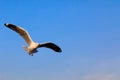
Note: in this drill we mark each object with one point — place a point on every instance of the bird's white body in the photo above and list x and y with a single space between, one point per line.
32 48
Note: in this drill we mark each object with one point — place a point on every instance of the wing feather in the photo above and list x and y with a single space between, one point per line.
22 32
51 46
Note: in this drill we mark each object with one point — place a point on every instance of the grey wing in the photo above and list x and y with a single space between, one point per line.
22 32
51 46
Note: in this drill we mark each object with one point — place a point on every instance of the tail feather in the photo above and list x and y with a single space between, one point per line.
51 46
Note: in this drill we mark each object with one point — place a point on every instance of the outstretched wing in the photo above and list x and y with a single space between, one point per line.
51 46
22 32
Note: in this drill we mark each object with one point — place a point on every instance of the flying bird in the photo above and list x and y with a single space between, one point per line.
32 46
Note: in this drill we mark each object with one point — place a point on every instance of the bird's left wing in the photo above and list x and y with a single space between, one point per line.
22 32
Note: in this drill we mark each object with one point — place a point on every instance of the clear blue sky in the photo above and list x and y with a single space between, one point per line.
88 31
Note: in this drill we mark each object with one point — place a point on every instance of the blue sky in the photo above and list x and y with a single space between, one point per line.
88 32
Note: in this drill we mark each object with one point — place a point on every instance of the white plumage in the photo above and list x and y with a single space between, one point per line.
32 46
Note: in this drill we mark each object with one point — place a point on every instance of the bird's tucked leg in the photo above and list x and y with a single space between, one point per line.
31 54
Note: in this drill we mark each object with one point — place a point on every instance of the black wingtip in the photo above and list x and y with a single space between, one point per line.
59 50
10 25
6 24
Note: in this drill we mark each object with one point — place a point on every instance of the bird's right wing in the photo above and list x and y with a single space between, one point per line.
22 32
51 46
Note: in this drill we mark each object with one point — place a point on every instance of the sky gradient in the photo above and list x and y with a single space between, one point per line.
88 32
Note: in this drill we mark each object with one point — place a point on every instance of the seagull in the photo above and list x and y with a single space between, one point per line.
32 46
